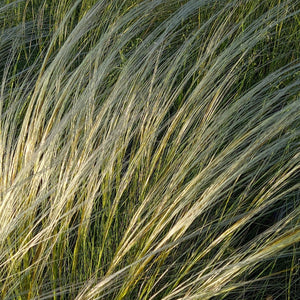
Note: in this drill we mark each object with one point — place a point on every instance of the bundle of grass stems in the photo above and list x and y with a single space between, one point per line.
149 149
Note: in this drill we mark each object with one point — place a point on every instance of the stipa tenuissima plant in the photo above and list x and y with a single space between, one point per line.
149 149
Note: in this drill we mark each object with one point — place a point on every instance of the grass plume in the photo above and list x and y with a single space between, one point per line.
149 149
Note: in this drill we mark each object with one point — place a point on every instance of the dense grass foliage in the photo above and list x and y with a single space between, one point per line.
149 149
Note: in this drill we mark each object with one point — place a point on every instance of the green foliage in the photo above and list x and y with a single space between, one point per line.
149 149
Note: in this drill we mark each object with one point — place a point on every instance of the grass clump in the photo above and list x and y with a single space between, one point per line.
149 149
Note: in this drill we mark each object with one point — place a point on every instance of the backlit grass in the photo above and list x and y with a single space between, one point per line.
149 149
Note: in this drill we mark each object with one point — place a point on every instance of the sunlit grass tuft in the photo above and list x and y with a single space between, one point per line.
149 149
